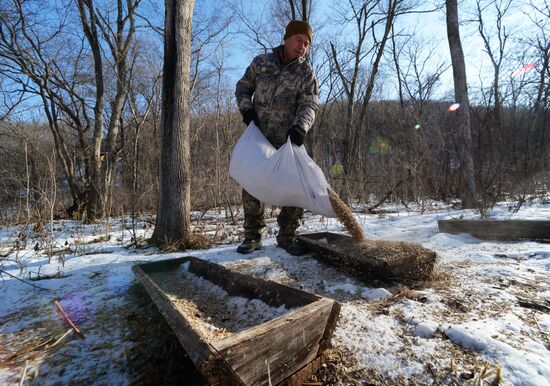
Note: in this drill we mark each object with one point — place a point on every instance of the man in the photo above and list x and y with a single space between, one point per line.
279 93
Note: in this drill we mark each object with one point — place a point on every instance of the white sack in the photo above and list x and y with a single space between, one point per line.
283 177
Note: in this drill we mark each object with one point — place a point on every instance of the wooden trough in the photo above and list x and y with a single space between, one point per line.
498 229
410 262
284 350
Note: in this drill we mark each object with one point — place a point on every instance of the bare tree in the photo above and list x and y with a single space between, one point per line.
540 44
36 56
174 209
496 55
349 64
463 141
420 75
304 11
257 26
119 39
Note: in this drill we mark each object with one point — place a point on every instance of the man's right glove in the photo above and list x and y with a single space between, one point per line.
296 134
249 116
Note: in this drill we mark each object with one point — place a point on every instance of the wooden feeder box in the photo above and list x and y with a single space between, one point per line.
498 229
412 264
285 350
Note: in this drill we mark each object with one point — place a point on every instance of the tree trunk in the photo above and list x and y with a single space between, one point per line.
106 151
464 137
173 214
89 25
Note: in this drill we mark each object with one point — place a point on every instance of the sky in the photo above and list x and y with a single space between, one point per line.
429 28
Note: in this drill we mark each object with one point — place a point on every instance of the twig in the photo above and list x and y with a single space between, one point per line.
61 338
432 371
350 378
26 282
24 373
64 315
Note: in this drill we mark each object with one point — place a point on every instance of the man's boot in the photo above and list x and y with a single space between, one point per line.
249 246
292 246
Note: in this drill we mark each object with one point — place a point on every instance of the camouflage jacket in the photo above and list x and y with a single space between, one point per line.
284 94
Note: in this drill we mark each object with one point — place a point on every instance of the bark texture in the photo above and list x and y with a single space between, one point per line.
173 215
463 138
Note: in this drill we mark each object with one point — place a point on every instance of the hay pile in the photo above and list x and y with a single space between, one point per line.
386 259
211 311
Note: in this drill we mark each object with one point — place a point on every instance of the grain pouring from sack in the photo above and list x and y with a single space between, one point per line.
345 215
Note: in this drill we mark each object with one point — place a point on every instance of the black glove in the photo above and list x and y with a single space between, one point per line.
296 134
249 116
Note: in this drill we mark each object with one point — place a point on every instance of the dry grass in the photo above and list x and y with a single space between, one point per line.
197 241
192 241
340 367
401 259
345 215
438 279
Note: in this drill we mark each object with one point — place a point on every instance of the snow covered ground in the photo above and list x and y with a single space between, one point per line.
473 321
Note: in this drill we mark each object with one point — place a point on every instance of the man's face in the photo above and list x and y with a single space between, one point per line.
296 45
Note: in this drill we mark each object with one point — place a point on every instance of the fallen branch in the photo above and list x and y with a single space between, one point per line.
62 251
24 281
69 321
526 303
4 254
58 275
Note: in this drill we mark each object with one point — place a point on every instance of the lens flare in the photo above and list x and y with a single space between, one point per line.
337 169
380 145
523 70
453 107
75 306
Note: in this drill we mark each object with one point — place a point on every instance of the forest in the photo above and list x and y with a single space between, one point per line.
118 124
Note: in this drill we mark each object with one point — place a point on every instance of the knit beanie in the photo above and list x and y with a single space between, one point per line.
298 27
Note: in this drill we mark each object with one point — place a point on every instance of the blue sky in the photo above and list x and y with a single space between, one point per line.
430 27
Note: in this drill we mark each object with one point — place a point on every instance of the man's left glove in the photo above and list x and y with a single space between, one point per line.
297 135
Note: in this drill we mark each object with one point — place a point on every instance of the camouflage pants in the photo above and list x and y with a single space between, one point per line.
288 219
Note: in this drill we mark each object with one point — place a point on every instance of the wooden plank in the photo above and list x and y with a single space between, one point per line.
498 229
275 350
204 356
326 340
304 373
238 284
